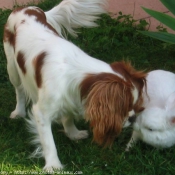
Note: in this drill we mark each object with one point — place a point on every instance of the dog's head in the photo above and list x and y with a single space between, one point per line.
111 99
155 125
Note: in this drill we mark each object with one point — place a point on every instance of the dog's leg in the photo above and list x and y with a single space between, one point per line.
71 131
20 105
16 82
43 117
133 140
20 95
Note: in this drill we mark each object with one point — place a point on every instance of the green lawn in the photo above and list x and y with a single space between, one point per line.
111 41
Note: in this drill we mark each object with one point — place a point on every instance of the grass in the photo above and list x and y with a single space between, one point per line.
111 41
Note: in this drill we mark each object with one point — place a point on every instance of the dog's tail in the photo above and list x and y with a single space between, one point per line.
72 14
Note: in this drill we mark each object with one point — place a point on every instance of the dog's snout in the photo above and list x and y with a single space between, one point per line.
132 119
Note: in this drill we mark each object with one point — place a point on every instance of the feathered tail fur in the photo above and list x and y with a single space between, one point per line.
72 14
35 140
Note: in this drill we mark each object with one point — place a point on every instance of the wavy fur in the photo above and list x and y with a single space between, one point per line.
155 125
35 140
137 77
106 108
73 14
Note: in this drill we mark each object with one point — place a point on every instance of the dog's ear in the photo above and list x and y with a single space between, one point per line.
138 78
170 106
106 108
170 102
130 73
172 120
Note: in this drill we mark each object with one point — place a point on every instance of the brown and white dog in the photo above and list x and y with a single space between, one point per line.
63 82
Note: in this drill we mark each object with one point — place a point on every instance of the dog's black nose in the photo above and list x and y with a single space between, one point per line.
132 119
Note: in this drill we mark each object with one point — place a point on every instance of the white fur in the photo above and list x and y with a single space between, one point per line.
53 100
156 124
132 112
64 68
72 14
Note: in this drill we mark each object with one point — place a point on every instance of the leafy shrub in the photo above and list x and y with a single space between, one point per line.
165 19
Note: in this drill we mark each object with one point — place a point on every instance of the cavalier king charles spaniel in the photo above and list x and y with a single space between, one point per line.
62 82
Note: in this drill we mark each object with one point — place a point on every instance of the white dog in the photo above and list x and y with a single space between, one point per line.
156 124
64 83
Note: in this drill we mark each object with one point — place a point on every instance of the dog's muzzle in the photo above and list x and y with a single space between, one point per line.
132 119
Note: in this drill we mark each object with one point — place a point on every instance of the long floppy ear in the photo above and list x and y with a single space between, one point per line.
107 105
130 73
138 78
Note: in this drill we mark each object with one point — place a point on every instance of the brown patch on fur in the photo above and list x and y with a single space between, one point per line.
138 78
21 62
38 64
108 100
9 36
40 17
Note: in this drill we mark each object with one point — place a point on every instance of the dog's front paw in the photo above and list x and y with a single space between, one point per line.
79 135
16 114
50 169
127 149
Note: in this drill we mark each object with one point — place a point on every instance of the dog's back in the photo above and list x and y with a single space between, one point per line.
31 35
27 37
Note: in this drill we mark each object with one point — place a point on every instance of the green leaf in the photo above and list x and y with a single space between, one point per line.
163 18
170 5
166 37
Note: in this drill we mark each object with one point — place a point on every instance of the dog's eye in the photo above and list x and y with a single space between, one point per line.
149 129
